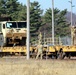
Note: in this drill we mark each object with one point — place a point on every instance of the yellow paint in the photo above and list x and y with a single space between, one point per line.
50 49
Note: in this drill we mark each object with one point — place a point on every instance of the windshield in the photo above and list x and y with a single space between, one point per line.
16 25
21 24
11 25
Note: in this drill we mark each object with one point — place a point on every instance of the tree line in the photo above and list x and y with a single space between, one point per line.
38 20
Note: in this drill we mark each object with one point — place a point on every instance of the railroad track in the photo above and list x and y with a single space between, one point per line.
24 58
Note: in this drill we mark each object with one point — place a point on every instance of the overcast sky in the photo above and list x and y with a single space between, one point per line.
60 4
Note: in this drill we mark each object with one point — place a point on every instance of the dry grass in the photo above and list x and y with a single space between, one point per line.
37 67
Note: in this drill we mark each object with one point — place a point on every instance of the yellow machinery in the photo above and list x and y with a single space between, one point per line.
13 37
60 51
17 50
14 32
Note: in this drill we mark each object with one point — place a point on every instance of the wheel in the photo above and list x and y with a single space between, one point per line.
61 54
69 55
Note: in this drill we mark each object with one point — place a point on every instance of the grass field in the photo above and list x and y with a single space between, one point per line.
37 67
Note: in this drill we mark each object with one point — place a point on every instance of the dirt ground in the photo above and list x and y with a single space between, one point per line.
21 66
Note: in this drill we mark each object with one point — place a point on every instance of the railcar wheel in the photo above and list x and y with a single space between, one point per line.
61 54
69 56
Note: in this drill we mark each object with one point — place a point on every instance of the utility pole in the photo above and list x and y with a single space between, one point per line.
71 22
53 22
28 29
71 11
